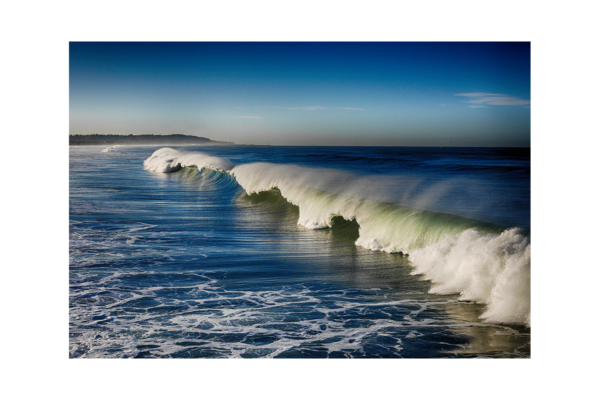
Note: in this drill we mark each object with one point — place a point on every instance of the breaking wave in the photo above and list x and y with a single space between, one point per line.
480 261
170 160
110 148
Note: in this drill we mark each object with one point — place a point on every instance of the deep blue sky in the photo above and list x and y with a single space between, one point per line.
440 94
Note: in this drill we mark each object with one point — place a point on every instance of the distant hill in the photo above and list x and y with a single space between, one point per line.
86 140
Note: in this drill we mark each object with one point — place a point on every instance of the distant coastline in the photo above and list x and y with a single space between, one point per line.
95 139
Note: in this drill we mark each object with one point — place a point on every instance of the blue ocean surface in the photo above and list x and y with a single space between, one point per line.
299 252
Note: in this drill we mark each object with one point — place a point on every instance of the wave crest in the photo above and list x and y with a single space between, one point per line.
170 160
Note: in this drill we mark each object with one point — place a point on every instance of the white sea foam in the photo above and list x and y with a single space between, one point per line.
168 160
214 316
490 269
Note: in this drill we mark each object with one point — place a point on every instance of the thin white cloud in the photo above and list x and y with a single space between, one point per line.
493 99
307 108
247 116
316 108
478 94
478 106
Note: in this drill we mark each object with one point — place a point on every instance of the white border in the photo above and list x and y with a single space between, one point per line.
35 204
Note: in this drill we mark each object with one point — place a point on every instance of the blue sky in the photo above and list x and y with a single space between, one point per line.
391 93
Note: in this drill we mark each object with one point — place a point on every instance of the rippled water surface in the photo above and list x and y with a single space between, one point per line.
188 265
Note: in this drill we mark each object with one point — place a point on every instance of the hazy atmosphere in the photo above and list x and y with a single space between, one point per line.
384 94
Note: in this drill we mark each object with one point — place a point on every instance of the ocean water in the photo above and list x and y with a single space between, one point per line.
299 252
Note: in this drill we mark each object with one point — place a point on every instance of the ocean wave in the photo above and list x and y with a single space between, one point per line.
323 194
480 261
170 160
